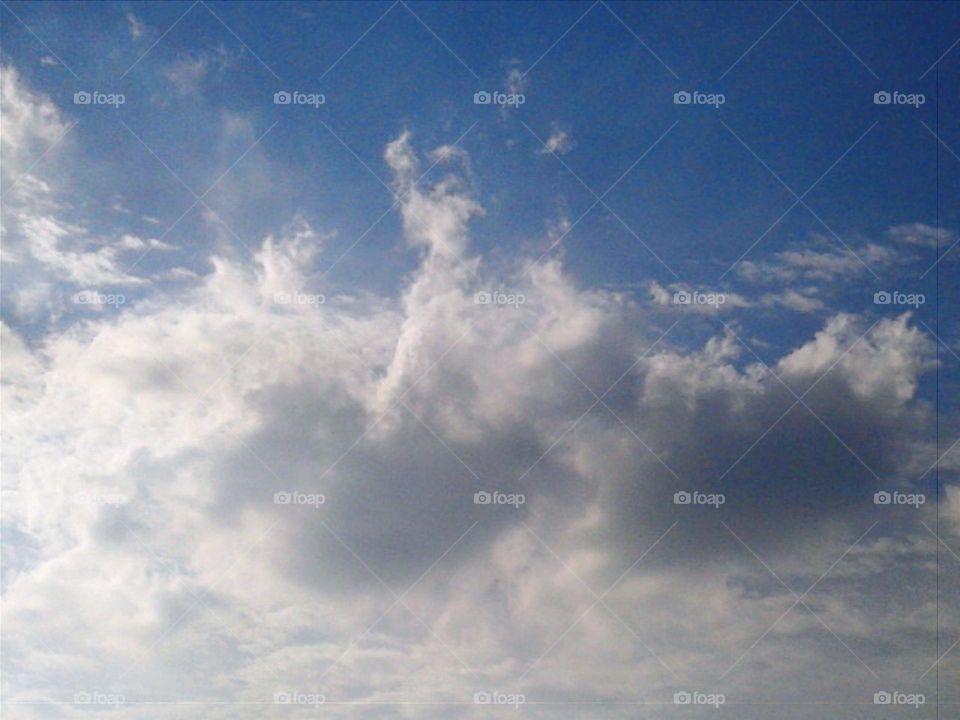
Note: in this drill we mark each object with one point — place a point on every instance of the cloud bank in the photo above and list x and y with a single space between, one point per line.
249 484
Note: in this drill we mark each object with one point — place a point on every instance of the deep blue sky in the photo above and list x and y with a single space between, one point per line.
800 97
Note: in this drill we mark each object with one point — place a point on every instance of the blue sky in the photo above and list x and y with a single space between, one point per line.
302 311
799 102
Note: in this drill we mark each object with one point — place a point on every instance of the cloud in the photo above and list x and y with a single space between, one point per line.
559 142
516 82
802 302
685 298
48 251
821 261
188 73
135 26
31 122
148 445
920 234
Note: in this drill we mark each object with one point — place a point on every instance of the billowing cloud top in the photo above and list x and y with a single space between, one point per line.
242 486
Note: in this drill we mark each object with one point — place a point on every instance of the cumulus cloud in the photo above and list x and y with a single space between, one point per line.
31 123
250 484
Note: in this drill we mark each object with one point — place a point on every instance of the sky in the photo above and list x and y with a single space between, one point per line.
478 360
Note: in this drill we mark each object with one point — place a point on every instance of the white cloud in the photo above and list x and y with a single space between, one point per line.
683 297
37 235
196 405
818 263
559 142
188 73
135 25
920 234
31 123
